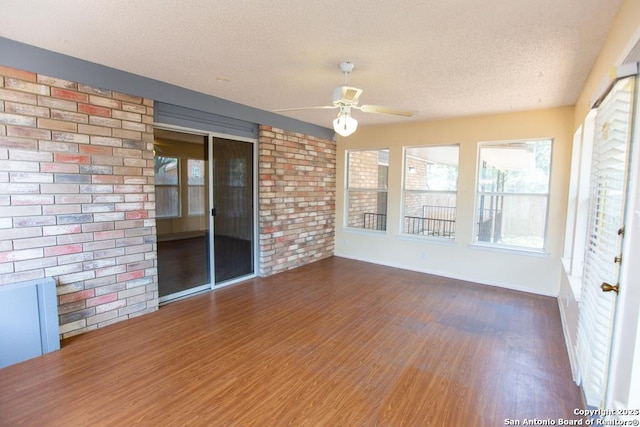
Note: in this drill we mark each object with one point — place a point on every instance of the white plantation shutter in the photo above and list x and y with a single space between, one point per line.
606 217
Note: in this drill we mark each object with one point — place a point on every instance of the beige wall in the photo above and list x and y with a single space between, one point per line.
461 259
624 33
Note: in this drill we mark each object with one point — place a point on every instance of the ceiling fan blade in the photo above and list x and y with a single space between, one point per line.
321 107
386 110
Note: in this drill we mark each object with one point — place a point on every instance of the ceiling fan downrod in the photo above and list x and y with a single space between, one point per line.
346 68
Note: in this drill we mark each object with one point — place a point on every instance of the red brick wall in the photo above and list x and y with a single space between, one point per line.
415 181
297 191
77 198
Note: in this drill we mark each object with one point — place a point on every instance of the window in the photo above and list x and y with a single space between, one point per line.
513 193
167 186
430 187
367 176
195 180
578 202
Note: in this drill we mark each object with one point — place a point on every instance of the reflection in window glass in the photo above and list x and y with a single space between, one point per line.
196 200
167 186
196 179
237 173
367 182
430 189
166 170
513 193
196 171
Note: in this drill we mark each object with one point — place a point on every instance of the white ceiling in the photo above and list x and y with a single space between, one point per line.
444 58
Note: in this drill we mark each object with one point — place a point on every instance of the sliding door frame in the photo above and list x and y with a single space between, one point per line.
254 214
210 136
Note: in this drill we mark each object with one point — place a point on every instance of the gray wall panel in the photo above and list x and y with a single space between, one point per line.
19 55
201 120
28 320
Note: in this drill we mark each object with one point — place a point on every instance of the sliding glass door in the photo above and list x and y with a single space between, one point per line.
233 209
205 215
182 214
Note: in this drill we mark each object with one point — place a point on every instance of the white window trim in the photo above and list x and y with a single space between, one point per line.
509 249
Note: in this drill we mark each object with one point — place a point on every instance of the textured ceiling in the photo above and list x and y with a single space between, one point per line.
444 58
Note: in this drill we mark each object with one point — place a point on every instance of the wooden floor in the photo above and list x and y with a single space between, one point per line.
335 343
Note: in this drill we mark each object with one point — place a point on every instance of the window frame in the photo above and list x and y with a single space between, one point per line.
406 191
579 202
379 190
478 193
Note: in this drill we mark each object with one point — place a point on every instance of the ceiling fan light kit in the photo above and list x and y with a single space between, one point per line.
345 125
345 98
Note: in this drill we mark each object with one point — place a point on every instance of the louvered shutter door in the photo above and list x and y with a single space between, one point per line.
606 216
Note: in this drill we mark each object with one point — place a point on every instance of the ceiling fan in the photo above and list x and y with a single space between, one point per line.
345 98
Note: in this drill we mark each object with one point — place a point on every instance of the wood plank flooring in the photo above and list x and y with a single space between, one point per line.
334 343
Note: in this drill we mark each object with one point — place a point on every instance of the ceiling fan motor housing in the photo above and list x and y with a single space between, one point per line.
346 95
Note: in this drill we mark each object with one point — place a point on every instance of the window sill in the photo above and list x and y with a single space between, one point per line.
427 239
540 253
364 231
